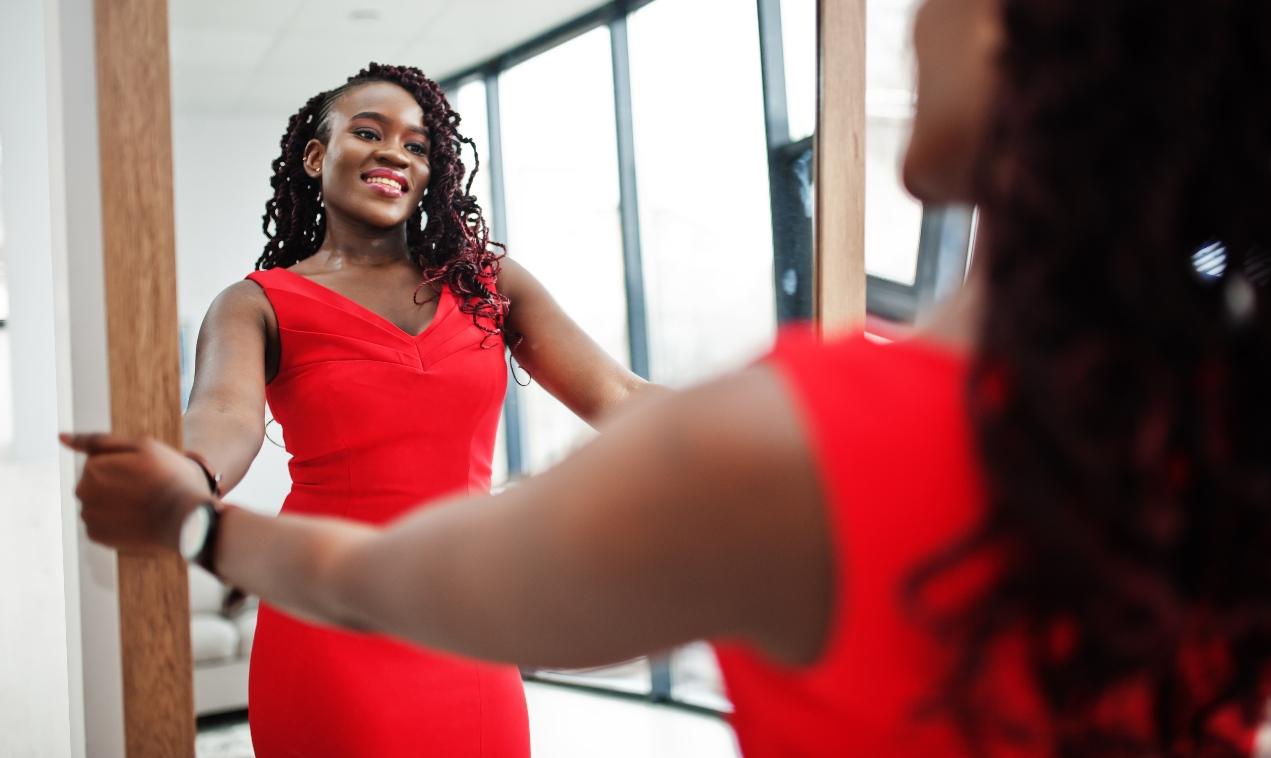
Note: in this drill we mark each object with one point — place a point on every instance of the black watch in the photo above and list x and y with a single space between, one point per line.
198 535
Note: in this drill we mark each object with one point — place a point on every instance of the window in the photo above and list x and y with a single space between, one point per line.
561 174
469 101
893 218
798 45
705 220
713 191
705 223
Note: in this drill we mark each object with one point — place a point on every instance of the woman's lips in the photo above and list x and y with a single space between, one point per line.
387 182
385 188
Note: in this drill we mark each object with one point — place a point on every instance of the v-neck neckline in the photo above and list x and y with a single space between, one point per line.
382 320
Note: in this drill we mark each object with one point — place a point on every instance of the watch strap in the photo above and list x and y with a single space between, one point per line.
235 598
206 556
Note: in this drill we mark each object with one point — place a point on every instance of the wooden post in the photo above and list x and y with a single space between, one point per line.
840 166
139 258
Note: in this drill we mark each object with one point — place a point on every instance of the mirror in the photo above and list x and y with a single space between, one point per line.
649 162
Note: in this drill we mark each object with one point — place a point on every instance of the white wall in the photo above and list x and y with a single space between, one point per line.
221 176
26 212
35 711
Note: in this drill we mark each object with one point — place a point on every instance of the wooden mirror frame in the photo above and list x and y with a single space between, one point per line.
839 247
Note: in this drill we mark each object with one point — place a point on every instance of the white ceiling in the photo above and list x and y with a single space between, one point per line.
268 57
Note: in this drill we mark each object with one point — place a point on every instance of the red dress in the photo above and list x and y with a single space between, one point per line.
888 428
377 422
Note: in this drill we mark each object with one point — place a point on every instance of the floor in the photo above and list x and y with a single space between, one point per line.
567 723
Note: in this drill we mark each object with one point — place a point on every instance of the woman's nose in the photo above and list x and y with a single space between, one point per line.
393 154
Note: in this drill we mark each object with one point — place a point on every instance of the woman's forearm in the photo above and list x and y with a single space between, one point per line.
292 562
229 440
633 396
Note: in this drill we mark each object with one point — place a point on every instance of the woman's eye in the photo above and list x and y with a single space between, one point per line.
366 134
417 148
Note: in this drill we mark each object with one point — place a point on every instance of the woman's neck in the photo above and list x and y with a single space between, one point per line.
346 243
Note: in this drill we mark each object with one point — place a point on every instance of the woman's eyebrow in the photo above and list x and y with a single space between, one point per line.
380 117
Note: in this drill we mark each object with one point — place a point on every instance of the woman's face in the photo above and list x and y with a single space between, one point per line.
374 166
956 42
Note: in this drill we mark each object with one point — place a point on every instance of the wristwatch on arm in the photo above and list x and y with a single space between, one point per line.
199 530
198 535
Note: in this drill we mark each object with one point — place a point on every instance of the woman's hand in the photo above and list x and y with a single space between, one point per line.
135 491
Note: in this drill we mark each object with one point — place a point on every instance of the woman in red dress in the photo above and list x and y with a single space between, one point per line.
375 329
1041 528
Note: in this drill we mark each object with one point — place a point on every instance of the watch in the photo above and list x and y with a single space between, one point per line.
197 540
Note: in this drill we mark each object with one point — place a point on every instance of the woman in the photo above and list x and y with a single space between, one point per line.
1039 530
375 328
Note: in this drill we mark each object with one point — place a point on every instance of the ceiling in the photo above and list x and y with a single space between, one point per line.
252 57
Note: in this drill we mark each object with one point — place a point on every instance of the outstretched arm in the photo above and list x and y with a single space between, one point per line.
711 526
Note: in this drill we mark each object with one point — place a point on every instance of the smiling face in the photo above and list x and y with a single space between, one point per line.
956 43
373 164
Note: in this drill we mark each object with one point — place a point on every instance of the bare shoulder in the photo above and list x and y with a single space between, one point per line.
241 325
241 303
512 276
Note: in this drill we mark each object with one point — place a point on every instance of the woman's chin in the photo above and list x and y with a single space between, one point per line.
934 182
381 219
920 183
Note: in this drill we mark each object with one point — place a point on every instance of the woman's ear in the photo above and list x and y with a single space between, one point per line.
314 153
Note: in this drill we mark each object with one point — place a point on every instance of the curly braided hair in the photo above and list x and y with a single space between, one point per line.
1119 396
453 247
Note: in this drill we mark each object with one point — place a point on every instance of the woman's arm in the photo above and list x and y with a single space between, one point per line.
711 526
560 356
225 421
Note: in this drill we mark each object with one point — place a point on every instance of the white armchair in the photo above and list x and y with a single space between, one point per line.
221 643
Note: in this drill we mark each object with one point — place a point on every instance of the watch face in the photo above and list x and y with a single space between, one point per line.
194 532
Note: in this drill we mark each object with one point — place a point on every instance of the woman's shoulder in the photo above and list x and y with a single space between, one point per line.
858 357
244 299
856 389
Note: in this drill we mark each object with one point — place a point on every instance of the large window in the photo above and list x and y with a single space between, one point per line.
705 228
561 176
893 218
651 163
705 224
798 44
469 101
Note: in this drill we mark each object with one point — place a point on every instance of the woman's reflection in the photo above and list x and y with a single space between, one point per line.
375 327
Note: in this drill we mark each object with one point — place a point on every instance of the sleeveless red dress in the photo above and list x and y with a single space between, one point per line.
888 428
378 421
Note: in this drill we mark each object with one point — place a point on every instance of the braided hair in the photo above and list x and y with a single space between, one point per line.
1119 395
452 247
